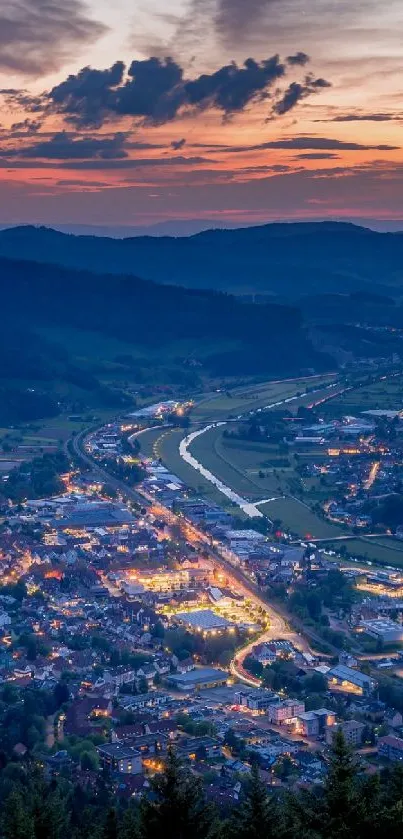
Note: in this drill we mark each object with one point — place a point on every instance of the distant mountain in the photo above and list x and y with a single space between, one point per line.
290 260
222 335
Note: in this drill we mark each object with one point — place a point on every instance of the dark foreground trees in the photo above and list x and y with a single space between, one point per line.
349 805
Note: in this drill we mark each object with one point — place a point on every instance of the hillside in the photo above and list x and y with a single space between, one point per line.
287 259
87 331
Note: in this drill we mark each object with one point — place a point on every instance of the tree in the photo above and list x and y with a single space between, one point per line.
178 809
129 828
17 820
50 815
89 761
342 809
255 819
143 685
110 829
61 694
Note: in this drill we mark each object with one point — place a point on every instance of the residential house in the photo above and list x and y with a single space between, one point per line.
352 729
118 757
391 748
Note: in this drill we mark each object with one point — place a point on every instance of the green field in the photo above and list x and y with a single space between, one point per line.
372 550
300 519
148 440
238 467
223 405
384 395
167 448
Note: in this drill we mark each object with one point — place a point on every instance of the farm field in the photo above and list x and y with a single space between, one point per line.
383 395
220 406
238 463
148 440
371 550
300 519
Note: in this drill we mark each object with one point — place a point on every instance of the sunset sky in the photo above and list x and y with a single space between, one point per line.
128 112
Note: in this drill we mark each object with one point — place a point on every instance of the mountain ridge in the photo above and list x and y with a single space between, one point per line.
290 259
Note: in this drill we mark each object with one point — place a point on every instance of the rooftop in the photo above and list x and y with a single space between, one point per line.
203 619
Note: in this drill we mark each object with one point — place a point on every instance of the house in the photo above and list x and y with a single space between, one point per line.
120 758
256 700
307 724
186 665
162 666
286 711
82 713
314 723
265 654
391 748
352 729
150 744
20 750
147 671
143 700
195 747
127 733
54 764
393 718
119 676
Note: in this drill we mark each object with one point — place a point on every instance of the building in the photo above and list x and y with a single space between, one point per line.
350 681
352 730
286 711
195 747
200 679
393 718
120 758
265 654
391 747
314 723
203 620
256 700
387 631
140 701
119 676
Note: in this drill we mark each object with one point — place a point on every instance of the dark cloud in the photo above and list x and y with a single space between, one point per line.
22 100
303 142
380 117
88 97
139 163
299 59
178 144
231 88
296 92
318 155
62 146
38 36
155 90
26 126
97 163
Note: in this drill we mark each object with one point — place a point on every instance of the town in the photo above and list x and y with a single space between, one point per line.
136 616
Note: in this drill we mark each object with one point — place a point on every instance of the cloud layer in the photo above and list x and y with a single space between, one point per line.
37 36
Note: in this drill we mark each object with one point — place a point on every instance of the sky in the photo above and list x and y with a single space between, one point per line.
133 112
